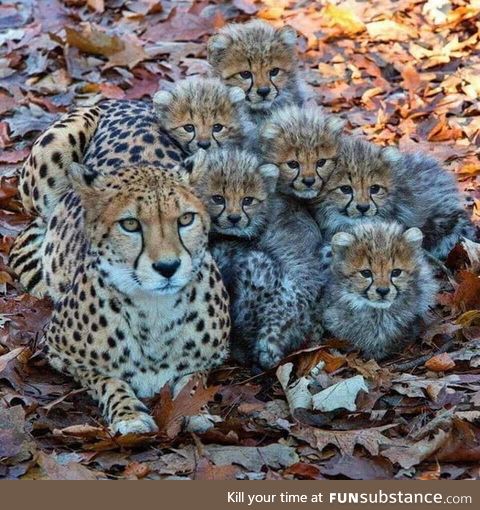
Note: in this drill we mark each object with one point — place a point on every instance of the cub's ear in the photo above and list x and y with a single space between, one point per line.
391 155
236 95
269 173
288 35
335 126
162 101
191 170
414 237
216 47
341 241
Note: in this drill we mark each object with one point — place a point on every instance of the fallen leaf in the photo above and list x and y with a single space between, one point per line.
96 42
341 395
440 363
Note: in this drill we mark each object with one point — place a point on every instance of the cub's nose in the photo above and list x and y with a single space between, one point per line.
363 208
234 218
166 269
382 291
308 181
263 91
204 144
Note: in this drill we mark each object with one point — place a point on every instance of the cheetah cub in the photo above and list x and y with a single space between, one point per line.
380 287
304 144
373 182
262 60
267 250
139 301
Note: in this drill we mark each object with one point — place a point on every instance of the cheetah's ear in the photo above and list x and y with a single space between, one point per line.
216 47
341 241
236 95
82 176
192 168
391 155
413 236
269 173
288 35
162 101
335 126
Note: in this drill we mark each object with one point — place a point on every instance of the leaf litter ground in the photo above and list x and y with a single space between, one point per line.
404 72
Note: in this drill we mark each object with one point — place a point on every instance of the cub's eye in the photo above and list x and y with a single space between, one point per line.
130 225
293 164
217 128
366 273
247 201
396 272
321 162
189 128
218 199
246 75
346 189
274 71
186 219
374 189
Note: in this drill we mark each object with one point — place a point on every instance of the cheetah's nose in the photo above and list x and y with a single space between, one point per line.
308 181
205 144
166 269
234 218
363 208
383 291
263 91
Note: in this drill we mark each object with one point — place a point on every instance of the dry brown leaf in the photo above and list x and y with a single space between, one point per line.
440 363
96 42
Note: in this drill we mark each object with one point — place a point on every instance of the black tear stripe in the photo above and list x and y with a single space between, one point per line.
135 264
248 217
182 243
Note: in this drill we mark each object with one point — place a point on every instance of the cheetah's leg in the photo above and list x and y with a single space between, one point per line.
125 413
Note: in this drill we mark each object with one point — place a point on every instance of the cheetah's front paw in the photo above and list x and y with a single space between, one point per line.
267 354
137 423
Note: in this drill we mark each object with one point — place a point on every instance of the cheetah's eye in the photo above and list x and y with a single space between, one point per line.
321 162
218 199
189 128
246 75
247 201
374 189
346 189
130 225
366 273
396 273
186 219
274 71
217 128
293 164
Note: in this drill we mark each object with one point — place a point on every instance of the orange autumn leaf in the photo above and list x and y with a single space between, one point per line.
440 363
343 18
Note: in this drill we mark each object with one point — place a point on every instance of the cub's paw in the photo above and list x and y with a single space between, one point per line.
267 354
135 423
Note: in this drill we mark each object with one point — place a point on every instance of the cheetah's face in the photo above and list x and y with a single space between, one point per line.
378 263
361 185
257 58
234 187
304 144
202 114
149 231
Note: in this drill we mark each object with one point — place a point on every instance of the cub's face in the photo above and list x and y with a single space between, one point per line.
361 185
149 231
234 187
377 263
304 145
202 114
257 58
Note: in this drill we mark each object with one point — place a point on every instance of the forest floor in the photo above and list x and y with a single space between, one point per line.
403 72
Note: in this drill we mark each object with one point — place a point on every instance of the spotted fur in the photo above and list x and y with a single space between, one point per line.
372 182
268 251
139 301
304 144
260 59
380 289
